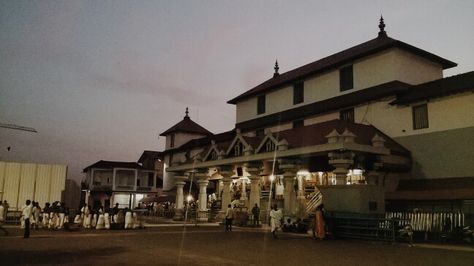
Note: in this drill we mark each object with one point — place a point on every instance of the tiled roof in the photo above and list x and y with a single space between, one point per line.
316 134
113 164
302 136
150 154
187 125
336 60
203 142
437 88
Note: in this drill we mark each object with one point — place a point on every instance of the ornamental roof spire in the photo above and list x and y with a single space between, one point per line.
187 113
276 69
382 32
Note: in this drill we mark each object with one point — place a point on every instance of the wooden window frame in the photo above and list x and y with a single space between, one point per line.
342 115
346 78
298 93
420 124
261 102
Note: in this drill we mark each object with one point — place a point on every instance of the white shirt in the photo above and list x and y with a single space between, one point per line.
26 211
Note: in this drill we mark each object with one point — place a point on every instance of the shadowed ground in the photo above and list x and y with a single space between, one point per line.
212 246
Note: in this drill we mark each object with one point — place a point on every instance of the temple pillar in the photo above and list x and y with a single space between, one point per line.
226 173
179 207
202 214
341 161
289 174
300 197
254 187
243 193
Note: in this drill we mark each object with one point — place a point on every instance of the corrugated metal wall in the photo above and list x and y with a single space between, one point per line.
39 182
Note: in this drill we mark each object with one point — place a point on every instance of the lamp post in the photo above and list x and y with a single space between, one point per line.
272 178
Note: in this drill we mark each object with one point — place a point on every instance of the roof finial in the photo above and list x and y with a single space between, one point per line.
276 69
382 32
187 113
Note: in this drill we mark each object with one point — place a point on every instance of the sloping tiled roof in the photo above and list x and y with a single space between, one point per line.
302 136
316 134
204 142
331 104
437 88
150 154
113 164
187 125
336 60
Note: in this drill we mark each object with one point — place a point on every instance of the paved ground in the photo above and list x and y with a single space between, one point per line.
209 245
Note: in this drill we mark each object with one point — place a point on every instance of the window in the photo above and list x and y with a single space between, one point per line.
171 140
269 146
347 115
298 93
298 123
150 179
213 155
260 132
346 79
261 104
420 116
238 149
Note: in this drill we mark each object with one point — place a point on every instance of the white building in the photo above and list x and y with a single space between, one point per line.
350 125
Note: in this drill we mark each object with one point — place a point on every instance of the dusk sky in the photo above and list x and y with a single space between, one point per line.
99 80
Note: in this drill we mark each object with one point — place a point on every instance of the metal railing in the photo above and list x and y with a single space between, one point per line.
429 221
315 199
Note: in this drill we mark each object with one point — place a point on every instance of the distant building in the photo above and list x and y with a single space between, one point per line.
125 183
37 182
373 126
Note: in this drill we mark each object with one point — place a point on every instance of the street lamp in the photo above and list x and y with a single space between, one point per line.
272 178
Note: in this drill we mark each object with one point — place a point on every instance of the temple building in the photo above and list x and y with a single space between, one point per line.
373 126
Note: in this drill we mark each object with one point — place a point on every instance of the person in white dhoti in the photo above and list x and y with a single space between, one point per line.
61 215
275 219
100 220
46 211
135 221
94 219
107 220
128 219
86 216
32 218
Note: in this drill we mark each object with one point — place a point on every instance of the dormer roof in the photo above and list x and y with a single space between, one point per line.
381 43
187 126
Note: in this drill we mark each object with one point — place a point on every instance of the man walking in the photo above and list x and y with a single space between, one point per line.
26 214
229 216
276 215
256 215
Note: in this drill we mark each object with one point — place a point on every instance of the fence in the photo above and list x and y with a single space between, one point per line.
428 221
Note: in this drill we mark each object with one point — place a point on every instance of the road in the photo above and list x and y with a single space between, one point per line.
212 246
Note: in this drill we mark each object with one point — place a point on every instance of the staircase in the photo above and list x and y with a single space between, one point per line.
316 198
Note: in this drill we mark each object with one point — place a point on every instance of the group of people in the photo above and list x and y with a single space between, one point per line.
52 216
107 218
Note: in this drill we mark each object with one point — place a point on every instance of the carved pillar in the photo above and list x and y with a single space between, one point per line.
254 186
226 173
202 208
289 174
341 161
179 207
243 193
